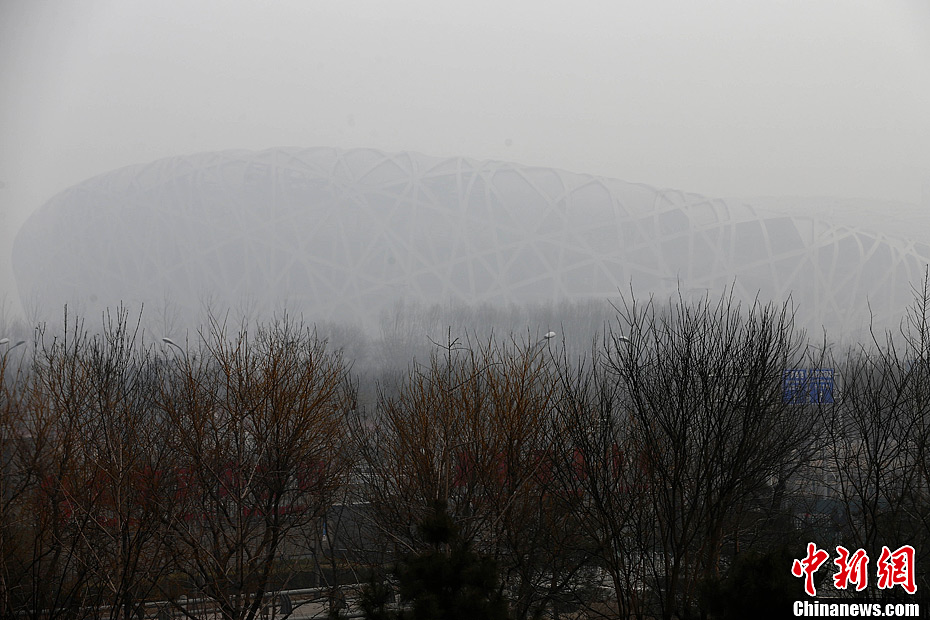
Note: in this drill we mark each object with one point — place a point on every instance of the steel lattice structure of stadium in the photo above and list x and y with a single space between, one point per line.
346 233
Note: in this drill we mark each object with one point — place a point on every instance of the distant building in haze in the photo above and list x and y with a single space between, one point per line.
345 234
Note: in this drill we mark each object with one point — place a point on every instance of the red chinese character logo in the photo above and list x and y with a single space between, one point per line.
808 566
897 568
851 569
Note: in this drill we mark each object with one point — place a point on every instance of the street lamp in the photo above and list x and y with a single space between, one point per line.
544 340
174 344
616 342
6 341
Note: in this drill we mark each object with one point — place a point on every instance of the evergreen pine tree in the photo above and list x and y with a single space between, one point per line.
447 581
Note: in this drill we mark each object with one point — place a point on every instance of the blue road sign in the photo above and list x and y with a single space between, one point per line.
808 386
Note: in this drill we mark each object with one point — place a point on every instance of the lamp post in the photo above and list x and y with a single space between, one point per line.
172 343
181 350
6 341
545 339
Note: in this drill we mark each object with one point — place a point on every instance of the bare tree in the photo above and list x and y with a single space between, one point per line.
880 435
708 427
473 430
258 426
601 479
45 573
119 483
86 453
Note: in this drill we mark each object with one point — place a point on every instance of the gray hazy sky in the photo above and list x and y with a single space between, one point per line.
720 97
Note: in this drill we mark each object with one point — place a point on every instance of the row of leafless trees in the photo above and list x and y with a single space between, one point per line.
644 478
623 475
131 475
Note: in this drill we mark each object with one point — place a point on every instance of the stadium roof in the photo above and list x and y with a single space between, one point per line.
345 234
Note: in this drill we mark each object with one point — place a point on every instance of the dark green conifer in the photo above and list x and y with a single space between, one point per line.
447 581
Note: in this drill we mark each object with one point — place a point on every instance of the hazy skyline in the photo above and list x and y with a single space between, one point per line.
723 98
